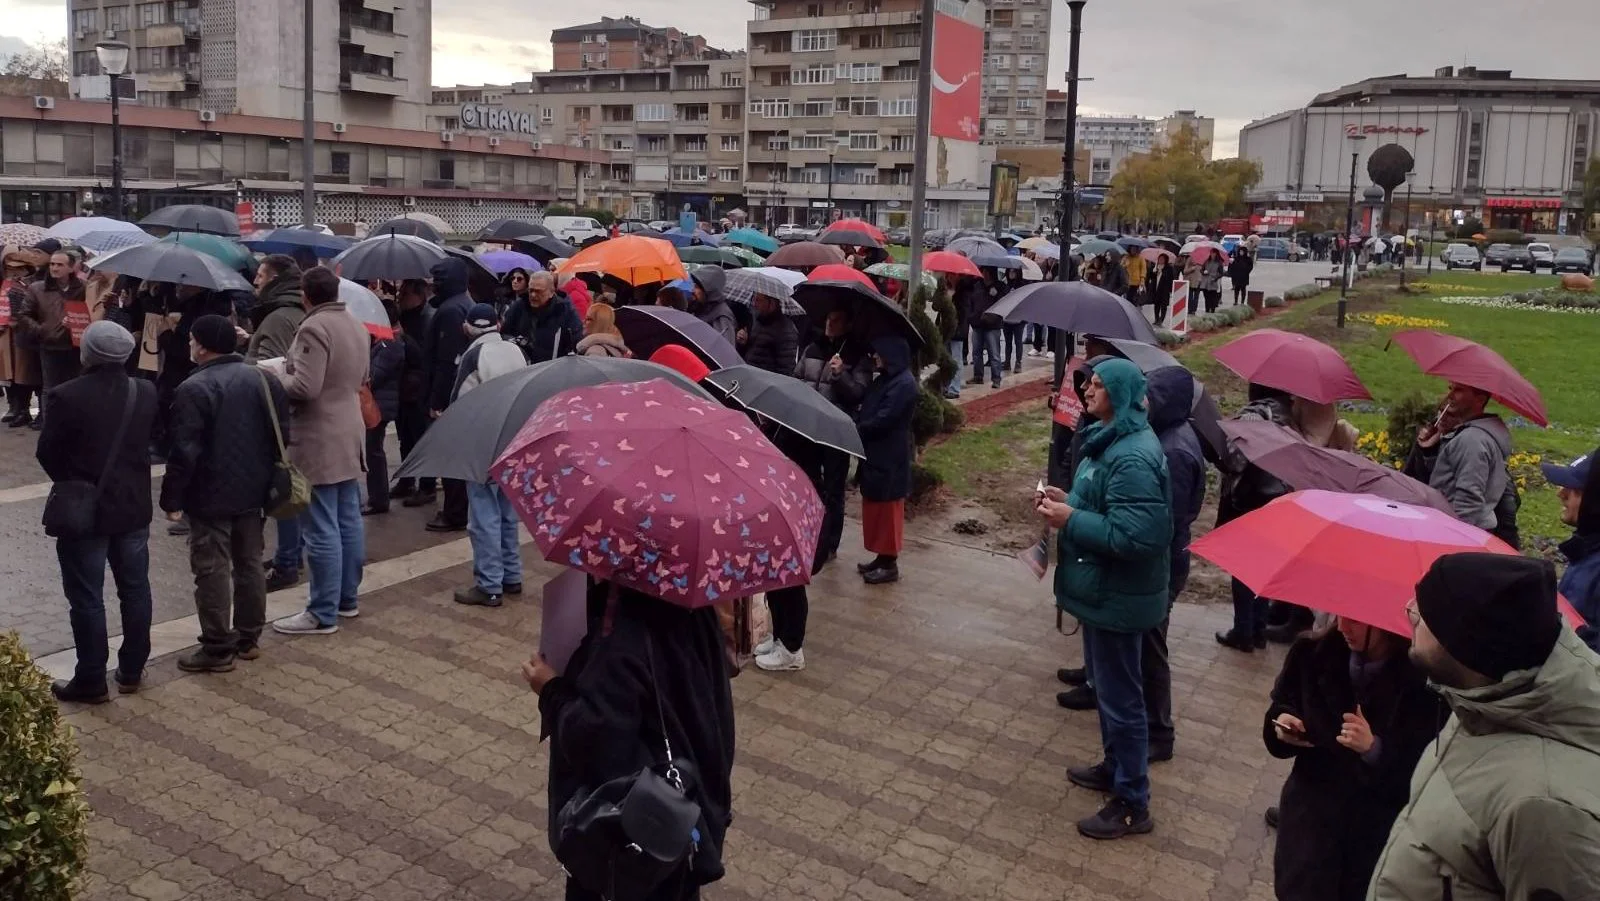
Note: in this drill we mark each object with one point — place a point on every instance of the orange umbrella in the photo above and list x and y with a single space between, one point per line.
633 259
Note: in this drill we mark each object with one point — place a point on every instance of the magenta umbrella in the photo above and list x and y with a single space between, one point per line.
658 490
1288 361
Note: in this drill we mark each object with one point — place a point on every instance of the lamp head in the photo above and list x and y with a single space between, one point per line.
113 57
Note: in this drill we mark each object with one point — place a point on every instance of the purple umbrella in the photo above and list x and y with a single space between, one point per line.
502 261
1304 466
647 329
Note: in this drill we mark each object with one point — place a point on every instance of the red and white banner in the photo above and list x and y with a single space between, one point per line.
245 211
1178 308
957 79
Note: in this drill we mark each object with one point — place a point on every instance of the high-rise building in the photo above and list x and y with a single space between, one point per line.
1203 126
1016 68
624 43
372 58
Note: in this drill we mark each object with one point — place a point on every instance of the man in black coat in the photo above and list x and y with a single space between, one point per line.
546 324
416 320
446 342
773 341
220 468
80 443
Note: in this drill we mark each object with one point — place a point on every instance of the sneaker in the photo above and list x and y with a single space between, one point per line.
181 527
1095 778
1080 698
952 395
204 661
1073 675
350 612
782 660
420 499
279 579
477 597
303 623
247 650
1115 820
883 575
71 693
996 385
767 646
512 588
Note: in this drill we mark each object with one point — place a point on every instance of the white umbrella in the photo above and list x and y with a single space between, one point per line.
1030 270
367 307
741 285
78 226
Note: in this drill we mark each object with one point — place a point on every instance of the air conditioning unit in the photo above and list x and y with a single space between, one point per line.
536 146
408 202
338 128
109 33
447 136
43 102
494 142
207 115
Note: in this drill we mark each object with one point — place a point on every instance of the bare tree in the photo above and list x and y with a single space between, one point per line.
42 60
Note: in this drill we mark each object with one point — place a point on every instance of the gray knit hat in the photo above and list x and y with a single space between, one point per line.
106 342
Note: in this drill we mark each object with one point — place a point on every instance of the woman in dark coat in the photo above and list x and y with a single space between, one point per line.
885 426
1355 716
1239 269
385 368
601 716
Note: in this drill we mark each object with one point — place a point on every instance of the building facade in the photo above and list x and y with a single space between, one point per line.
1204 127
1509 151
623 44
1016 68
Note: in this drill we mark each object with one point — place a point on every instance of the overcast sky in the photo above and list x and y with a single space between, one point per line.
1147 57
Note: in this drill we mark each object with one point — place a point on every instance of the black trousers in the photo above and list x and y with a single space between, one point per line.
835 480
410 426
789 608
1155 666
377 467
454 510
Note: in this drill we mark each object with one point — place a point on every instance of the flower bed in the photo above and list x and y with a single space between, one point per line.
1568 303
1395 320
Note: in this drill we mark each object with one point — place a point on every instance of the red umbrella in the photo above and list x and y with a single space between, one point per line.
652 488
1304 367
1469 363
839 272
860 225
804 255
1355 555
945 261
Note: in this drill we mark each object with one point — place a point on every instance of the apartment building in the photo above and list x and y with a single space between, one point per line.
623 44
1016 68
372 58
1203 126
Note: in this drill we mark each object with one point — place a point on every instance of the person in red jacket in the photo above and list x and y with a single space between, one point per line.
578 293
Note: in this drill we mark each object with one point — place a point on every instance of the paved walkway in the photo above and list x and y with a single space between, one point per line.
920 756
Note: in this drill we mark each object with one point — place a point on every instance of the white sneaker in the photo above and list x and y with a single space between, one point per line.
781 660
303 623
765 648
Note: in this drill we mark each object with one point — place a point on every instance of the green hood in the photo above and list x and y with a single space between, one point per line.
1559 701
1129 412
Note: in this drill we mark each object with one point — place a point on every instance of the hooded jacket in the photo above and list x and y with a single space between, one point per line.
277 315
846 389
773 344
488 357
885 423
1580 583
714 311
1468 466
1506 804
446 341
1114 569
1171 394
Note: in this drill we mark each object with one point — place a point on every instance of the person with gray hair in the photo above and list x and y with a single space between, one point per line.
98 435
546 324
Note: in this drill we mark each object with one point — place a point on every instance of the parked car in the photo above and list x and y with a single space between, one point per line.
900 236
1444 255
1464 256
1543 254
1572 259
1496 254
1279 249
575 229
1518 258
633 226
662 225
788 230
1230 242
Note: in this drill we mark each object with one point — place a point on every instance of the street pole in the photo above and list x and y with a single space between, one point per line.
308 130
1069 177
920 141
1349 226
1405 234
1431 214
116 151
833 147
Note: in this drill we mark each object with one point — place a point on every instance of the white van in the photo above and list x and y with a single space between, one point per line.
575 229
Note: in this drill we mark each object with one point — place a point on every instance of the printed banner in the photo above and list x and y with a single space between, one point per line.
245 212
75 313
155 325
957 79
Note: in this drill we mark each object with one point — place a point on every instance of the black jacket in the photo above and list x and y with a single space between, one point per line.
386 365
76 441
1170 395
885 424
846 389
600 715
223 449
551 331
971 299
1240 267
773 345
446 341
1337 808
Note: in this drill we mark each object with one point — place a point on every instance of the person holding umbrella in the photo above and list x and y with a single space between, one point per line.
446 341
387 364
1580 508
1463 453
412 326
887 409
772 339
708 305
840 370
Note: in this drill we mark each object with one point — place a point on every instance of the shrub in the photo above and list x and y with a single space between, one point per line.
558 209
42 811
1302 292
1274 300
954 417
929 418
1505 236
1468 228
924 482
1411 413
1168 337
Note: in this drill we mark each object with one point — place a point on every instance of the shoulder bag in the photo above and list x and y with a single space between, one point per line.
70 510
625 838
289 494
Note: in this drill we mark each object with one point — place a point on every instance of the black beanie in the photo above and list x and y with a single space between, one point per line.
1494 613
215 333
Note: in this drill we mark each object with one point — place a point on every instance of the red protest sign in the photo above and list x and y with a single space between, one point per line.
76 316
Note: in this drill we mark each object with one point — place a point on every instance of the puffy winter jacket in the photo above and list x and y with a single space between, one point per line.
773 345
1171 396
276 316
388 362
844 390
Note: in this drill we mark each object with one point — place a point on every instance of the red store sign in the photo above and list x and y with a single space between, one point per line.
1351 131
1523 203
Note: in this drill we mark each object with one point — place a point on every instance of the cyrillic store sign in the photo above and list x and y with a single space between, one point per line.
483 117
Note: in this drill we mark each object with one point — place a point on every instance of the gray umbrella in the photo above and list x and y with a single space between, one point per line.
194 217
1147 357
1075 307
469 437
107 241
647 329
996 261
743 284
972 246
389 256
791 403
176 264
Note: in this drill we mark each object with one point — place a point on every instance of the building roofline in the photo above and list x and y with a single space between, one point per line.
1498 80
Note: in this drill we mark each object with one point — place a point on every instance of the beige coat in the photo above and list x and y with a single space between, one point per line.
324 370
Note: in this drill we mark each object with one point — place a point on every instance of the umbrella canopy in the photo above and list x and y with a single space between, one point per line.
411 228
194 217
1203 413
657 490
871 314
483 285
716 256
434 222
473 431
742 285
228 252
971 246
506 229
746 256
178 264
1046 251
75 227
1076 307
839 272
805 254
1031 243
103 242
1099 246
1353 555
390 256
647 329
367 307
1131 243
990 261
1200 251
791 403
1167 243
1157 254
502 261
849 237
1148 357
680 238
21 234
752 239
289 240
632 259
1030 270
857 225
544 248
1284 453
1469 363
1288 361
951 262
902 272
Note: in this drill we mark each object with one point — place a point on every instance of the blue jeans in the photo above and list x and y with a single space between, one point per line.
290 551
83 576
986 340
492 526
335 545
958 352
1112 659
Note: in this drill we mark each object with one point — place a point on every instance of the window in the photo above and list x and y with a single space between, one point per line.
774 108
1029 19
151 59
85 62
693 144
1024 126
688 173
117 18
733 79
861 106
654 143
1026 82
588 39
1000 61
815 39
340 162
1026 105
869 40
1028 63
84 19
865 176
997 106
152 14
818 74
863 140
579 113
813 140
1100 170
897 106
547 115
599 60
777 143
730 112
907 39
447 168
902 143
806 176
896 176
1580 151
619 143
813 10
812 109
900 73
997 83
1029 41
732 143
651 112
728 173
861 73
693 112
696 82
621 173
997 128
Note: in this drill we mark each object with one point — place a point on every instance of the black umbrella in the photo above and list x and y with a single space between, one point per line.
1075 307
482 283
543 248
194 217
475 429
389 256
791 403
871 314
414 228
647 329
849 237
1203 412
174 263
506 229
996 261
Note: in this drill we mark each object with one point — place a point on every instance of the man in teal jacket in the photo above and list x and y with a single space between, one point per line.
1115 530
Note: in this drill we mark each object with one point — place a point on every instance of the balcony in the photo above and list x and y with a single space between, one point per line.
368 83
378 43
164 36
853 20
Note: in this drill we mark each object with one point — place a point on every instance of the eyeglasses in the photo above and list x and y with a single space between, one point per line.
517 278
1413 614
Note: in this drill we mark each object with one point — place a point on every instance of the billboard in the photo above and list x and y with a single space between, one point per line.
1003 190
957 79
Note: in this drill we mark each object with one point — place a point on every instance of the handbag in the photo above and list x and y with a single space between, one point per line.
288 494
370 414
626 837
72 507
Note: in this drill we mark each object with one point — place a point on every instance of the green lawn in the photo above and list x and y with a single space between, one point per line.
1468 283
1019 442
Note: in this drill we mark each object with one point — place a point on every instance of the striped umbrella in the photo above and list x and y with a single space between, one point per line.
743 284
106 241
902 272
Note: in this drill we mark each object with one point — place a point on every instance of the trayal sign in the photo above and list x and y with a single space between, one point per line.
483 117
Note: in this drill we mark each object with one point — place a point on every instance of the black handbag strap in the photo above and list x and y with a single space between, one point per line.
672 773
116 442
272 414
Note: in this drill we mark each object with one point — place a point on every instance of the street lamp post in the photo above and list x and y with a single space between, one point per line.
113 57
833 148
1172 195
1349 227
1405 234
1432 216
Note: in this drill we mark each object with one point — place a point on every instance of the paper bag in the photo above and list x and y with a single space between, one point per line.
155 325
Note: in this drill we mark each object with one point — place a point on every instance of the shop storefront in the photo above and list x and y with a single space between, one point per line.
1530 215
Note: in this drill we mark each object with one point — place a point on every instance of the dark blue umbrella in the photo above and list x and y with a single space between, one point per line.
1129 242
996 261
699 236
289 240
